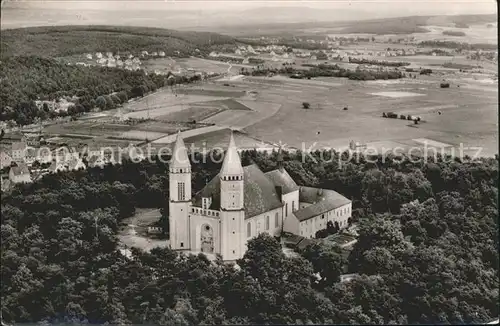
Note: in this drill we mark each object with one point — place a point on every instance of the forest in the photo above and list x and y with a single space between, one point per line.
58 41
23 80
427 250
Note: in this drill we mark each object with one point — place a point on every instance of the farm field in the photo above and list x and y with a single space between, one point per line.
167 97
469 116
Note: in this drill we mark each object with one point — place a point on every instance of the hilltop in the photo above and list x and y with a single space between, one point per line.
71 40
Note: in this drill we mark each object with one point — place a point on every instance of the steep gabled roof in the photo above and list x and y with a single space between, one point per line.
232 162
281 178
18 145
321 200
259 192
179 155
20 169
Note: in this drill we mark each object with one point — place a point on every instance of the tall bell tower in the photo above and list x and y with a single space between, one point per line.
232 205
180 196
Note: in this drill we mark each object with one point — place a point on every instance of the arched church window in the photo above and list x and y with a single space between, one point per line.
267 222
293 206
249 230
276 220
286 209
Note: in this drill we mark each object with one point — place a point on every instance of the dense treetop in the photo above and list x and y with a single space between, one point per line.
23 80
427 250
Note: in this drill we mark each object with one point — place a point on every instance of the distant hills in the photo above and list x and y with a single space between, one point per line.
69 40
397 25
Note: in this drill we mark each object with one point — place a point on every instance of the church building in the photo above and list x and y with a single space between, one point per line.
242 202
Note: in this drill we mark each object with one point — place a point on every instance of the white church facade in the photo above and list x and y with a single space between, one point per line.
242 202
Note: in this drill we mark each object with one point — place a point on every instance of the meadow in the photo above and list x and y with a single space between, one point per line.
468 115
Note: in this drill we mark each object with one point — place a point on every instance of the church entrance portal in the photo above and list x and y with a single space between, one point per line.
207 239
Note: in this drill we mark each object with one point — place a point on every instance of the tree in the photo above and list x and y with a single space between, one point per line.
327 261
101 102
306 105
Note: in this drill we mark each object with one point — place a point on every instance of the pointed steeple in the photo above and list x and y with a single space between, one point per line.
232 163
179 155
279 159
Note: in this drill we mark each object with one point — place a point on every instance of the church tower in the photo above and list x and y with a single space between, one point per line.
232 214
180 196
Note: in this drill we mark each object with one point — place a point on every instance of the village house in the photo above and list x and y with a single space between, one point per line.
72 164
20 174
98 55
44 155
5 183
96 161
88 56
5 160
19 150
30 156
131 152
162 54
111 63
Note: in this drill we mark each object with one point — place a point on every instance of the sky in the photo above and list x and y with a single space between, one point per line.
388 7
196 13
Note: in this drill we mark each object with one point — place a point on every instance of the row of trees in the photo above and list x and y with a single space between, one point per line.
378 63
325 70
458 45
434 260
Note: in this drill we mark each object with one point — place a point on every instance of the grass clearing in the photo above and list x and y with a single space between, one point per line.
192 113
211 92
141 135
397 94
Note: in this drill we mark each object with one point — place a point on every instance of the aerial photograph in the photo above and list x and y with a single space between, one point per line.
245 162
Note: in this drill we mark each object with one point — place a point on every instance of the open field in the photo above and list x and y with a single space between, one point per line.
397 94
469 116
166 97
196 113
